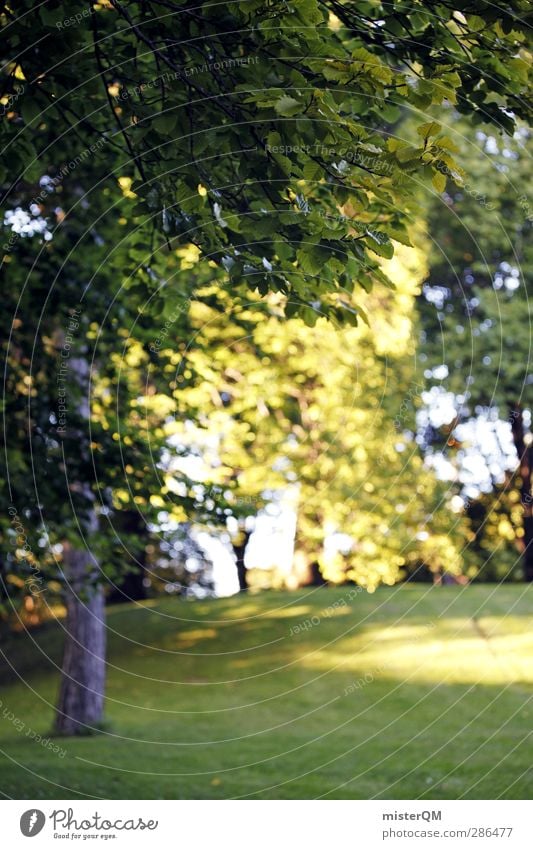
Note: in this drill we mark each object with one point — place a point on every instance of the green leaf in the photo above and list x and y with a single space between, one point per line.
363 314
287 106
312 171
381 244
165 123
30 110
431 128
405 154
447 144
439 181
399 234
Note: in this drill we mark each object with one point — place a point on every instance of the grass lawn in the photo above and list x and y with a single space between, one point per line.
412 692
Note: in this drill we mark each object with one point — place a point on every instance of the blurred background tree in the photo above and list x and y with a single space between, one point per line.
476 333
323 418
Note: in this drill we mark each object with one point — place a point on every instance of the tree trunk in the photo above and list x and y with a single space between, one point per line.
239 549
525 459
81 696
316 577
81 693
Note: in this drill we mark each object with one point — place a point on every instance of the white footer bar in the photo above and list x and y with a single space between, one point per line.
267 824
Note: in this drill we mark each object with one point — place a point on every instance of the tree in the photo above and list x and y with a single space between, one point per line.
327 412
295 139
476 307
69 397
252 165
240 543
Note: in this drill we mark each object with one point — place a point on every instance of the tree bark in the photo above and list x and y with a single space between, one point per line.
239 549
525 460
81 696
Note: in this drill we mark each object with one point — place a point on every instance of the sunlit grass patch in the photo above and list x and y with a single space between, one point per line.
413 691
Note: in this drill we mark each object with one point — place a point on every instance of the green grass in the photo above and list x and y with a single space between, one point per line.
411 692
